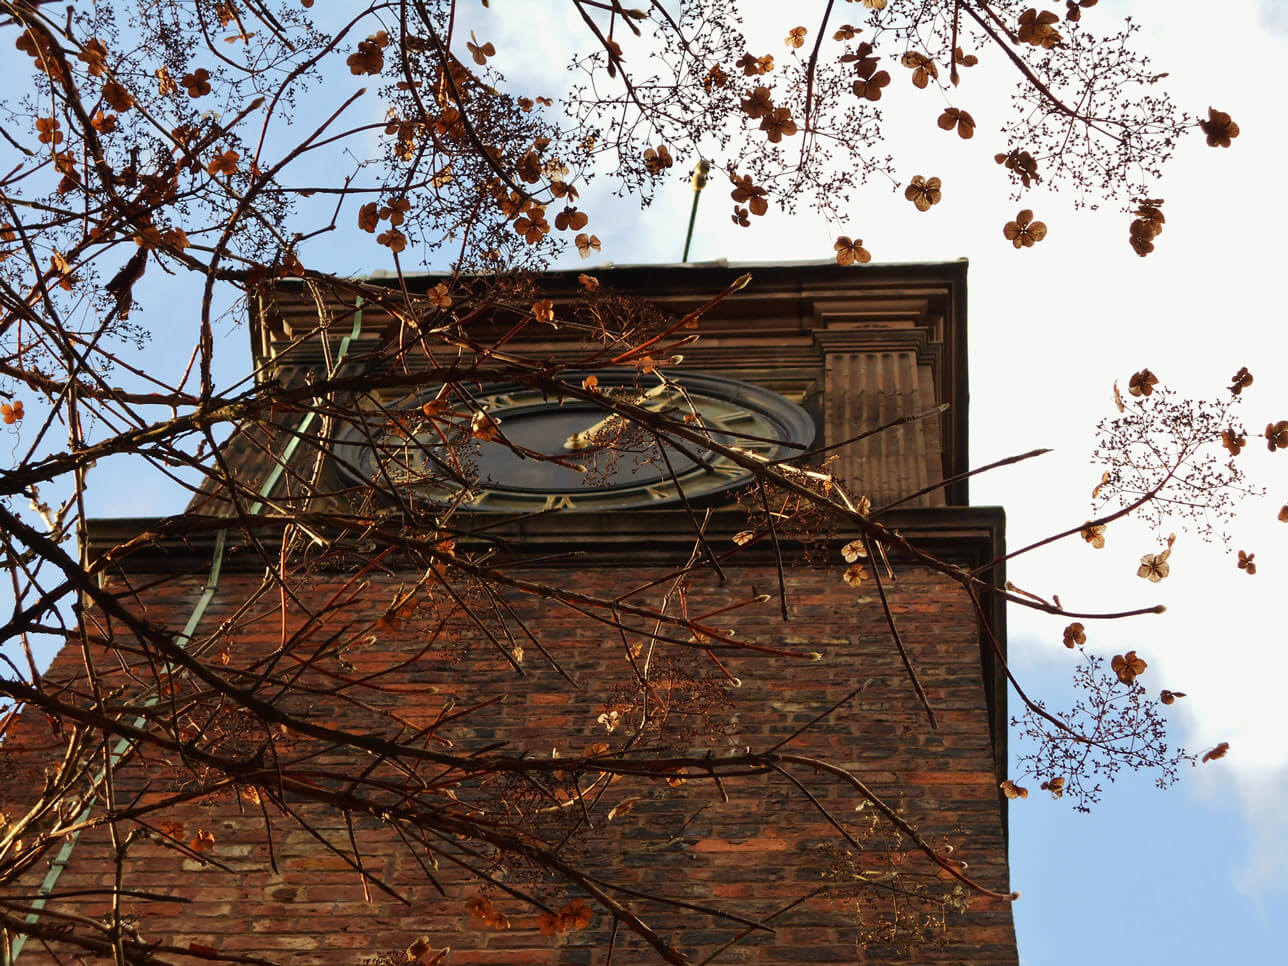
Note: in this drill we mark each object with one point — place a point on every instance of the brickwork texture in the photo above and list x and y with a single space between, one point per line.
762 847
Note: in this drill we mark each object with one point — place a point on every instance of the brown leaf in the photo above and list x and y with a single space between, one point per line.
961 120
1128 666
1241 380
117 97
484 426
197 83
543 310
171 830
850 252
1037 28
94 54
396 211
657 160
1219 128
854 550
1024 232
869 88
393 239
622 808
716 78
752 65
1022 165
924 192
578 913
1147 226
1013 791
571 218
1142 383
224 162
778 124
418 948
1154 567
439 298
479 52
481 908
923 69
1277 435
1094 534
752 195
1074 635
1218 752
369 58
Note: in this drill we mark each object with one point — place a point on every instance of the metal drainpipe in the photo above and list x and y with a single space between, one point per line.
63 858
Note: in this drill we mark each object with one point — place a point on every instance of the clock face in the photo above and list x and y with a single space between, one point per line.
591 460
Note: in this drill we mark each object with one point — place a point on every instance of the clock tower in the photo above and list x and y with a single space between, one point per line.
622 698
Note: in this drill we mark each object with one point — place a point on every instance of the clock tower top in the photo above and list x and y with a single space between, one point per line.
847 350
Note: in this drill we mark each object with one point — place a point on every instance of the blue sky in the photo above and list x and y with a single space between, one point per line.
1194 875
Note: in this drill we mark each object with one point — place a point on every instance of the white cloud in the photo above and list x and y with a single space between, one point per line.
1261 872
1274 16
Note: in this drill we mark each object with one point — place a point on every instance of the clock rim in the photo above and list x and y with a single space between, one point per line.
791 422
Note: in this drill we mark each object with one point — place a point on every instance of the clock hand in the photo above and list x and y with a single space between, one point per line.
657 399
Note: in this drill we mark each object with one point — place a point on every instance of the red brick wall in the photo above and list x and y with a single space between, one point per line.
752 855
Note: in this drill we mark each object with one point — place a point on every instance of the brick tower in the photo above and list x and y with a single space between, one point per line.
786 865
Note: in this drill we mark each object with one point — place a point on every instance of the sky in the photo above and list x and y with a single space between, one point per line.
1194 874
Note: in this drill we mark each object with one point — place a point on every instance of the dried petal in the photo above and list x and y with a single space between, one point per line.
850 252
1013 791
1219 128
1218 752
1055 786
1128 666
854 550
